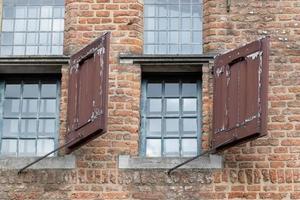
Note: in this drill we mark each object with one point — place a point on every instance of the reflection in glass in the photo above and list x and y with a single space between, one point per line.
48 107
12 90
172 106
154 90
31 90
189 89
154 127
27 147
29 107
189 126
189 147
10 127
171 147
28 127
172 89
172 127
45 146
189 106
9 147
11 107
154 106
46 127
153 148
48 90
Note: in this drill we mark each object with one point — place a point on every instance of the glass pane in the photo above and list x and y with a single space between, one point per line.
162 11
173 49
28 127
196 10
20 25
21 12
45 25
29 107
30 90
44 146
185 37
10 127
48 107
186 49
150 37
19 38
171 147
31 50
149 49
7 39
57 38
32 38
189 147
26 147
174 24
58 25
186 23
154 89
58 12
11 107
12 90
189 89
163 24
197 23
163 37
49 90
149 11
45 38
186 10
162 49
6 50
153 148
149 23
19 50
172 127
44 50
46 12
189 106
9 147
174 10
172 89
33 25
57 50
154 106
7 25
46 127
172 106
189 126
8 12
154 127
173 39
197 37
33 12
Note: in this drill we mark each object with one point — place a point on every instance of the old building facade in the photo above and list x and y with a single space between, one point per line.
160 100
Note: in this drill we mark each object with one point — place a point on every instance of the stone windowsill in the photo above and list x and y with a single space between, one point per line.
204 162
59 162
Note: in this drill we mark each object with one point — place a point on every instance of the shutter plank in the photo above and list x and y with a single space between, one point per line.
243 97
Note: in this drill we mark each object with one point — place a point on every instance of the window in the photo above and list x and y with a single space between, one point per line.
32 27
170 117
29 116
173 26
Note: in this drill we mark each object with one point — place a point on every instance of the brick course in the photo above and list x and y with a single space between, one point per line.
267 168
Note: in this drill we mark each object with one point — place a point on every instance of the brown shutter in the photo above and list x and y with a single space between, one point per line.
88 93
240 94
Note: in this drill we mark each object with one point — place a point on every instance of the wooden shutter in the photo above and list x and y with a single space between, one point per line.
88 93
240 94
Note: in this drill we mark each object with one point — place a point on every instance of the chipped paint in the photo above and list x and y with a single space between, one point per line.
254 55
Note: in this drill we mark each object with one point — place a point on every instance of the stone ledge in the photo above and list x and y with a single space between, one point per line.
205 162
60 162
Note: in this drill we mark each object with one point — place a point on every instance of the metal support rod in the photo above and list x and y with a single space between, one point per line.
41 158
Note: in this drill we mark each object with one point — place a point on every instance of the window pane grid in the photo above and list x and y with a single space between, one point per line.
28 127
177 24
22 26
171 126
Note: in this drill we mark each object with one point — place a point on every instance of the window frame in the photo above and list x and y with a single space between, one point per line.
162 78
39 78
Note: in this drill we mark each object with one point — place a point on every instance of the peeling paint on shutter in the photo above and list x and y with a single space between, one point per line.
240 94
88 93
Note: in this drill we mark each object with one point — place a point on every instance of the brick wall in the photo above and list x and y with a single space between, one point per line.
267 168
